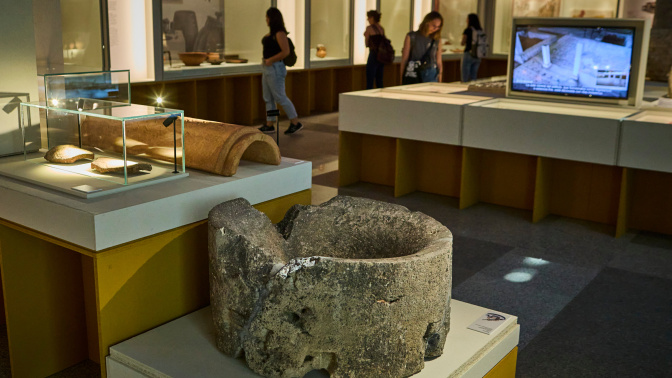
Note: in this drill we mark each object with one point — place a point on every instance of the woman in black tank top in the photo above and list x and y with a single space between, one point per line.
276 48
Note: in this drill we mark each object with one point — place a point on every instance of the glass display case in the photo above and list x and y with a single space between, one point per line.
359 50
506 10
92 147
330 34
396 19
102 85
294 14
454 14
203 38
637 9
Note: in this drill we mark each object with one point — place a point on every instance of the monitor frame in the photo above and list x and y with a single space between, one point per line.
640 49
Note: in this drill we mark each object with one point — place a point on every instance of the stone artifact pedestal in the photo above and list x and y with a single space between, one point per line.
354 286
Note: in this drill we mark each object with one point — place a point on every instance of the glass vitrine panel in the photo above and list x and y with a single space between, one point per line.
329 30
102 85
294 14
93 141
360 51
396 19
638 9
67 35
244 27
454 14
208 35
506 10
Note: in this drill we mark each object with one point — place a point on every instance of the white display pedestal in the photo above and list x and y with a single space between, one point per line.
645 141
186 348
587 133
406 114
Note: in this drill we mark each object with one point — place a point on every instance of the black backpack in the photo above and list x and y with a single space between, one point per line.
290 59
382 47
385 53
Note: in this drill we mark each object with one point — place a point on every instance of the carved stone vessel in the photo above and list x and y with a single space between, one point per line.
210 146
354 286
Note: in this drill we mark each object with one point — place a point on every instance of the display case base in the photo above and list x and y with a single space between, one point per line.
186 347
70 178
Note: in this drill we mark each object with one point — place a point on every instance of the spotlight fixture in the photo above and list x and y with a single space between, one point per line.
54 102
169 120
159 100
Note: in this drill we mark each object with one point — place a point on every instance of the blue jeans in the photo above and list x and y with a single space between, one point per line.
430 74
469 67
374 70
273 87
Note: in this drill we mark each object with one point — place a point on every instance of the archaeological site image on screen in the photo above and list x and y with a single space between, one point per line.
573 61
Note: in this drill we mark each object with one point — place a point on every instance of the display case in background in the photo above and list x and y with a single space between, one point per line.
330 32
455 14
506 10
208 38
68 36
637 9
360 22
103 147
396 19
294 14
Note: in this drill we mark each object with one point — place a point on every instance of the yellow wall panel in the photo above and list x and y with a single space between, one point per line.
651 207
507 179
506 368
349 157
44 300
585 191
439 167
378 159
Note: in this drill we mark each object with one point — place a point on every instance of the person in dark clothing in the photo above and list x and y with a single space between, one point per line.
276 48
470 63
374 69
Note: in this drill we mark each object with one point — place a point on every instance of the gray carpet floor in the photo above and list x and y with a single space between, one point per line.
589 305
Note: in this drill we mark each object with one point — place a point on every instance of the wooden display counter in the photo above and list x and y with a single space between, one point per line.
80 275
186 348
597 163
237 98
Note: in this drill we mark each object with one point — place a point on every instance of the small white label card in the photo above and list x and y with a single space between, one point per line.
488 322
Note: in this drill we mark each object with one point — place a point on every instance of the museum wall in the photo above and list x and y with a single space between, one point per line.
18 69
396 19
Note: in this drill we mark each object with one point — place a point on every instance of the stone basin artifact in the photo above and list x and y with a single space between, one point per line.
358 287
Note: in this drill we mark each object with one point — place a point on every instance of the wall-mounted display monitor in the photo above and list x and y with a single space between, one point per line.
597 60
